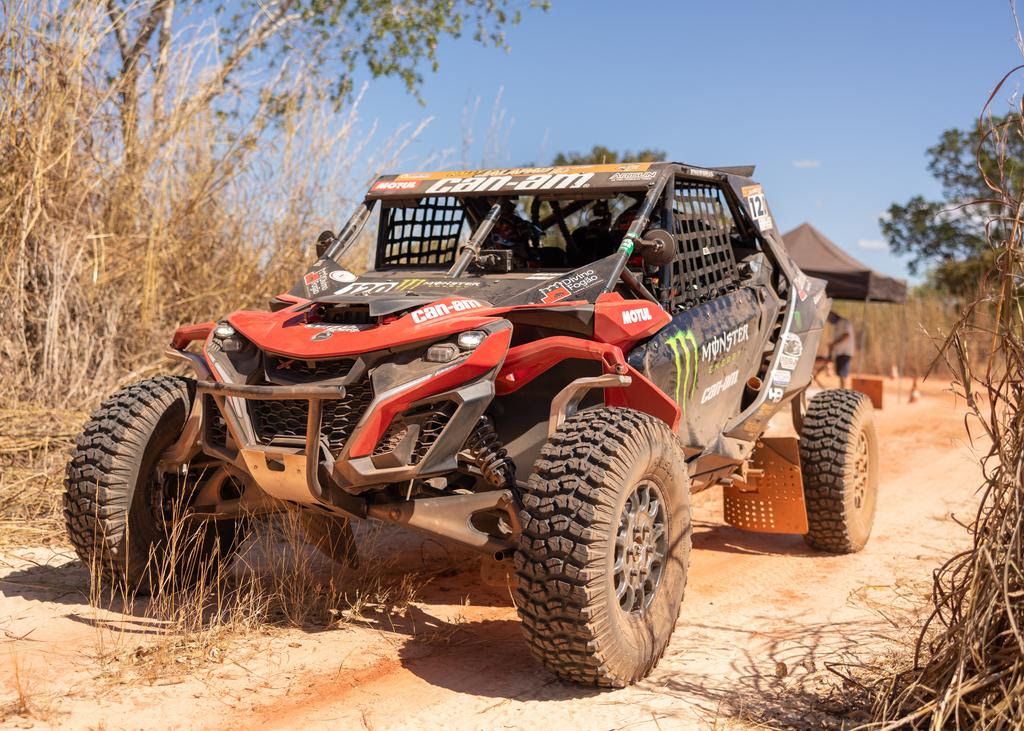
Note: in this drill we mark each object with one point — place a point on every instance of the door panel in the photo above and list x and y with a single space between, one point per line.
703 359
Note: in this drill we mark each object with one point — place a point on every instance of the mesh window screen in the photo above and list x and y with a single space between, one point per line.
426 234
706 266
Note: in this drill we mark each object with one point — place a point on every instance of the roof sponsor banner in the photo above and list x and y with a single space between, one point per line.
566 179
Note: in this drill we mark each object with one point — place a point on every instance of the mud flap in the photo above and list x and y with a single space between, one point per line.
772 498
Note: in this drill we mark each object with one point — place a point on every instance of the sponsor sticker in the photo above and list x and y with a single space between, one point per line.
316 282
758 207
686 356
367 288
801 283
775 394
781 377
721 344
325 330
639 314
792 349
396 184
632 177
342 275
722 384
540 181
431 312
567 286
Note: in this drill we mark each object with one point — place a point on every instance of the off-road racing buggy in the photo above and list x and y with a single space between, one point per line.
541 364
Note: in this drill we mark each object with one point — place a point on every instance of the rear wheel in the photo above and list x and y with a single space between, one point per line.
839 461
602 560
122 514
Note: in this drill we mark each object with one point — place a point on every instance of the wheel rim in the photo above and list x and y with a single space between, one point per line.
640 547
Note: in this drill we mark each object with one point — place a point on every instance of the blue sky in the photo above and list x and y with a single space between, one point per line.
834 101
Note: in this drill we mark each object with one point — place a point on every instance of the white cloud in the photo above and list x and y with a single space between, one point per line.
807 163
872 244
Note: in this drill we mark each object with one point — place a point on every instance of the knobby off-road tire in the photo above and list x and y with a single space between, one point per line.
586 617
331 535
116 508
839 461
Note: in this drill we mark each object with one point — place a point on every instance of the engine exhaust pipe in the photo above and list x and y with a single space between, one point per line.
450 518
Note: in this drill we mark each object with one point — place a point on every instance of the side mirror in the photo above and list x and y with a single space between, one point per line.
657 247
323 242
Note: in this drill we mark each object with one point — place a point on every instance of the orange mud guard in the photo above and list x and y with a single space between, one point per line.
772 498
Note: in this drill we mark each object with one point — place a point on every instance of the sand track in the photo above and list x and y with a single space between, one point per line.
757 608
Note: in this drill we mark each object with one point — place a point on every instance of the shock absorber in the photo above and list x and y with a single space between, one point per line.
485 451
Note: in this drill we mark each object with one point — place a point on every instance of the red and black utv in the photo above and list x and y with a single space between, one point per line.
540 364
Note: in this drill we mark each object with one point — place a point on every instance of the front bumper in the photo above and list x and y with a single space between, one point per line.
368 430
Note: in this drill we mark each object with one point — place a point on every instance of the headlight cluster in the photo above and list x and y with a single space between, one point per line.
446 352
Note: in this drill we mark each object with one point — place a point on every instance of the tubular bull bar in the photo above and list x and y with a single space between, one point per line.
292 474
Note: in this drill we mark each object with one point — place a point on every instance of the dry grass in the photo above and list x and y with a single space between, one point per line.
968 664
907 337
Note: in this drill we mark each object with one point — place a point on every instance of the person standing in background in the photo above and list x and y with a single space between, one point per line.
841 349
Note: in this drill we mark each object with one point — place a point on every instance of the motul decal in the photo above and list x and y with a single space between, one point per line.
722 344
640 314
545 181
396 185
441 309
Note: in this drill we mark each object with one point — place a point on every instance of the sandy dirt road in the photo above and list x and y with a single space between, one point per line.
763 621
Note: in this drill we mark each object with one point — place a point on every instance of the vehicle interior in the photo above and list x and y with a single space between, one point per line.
536 235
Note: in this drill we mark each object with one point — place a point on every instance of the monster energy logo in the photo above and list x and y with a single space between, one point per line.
684 348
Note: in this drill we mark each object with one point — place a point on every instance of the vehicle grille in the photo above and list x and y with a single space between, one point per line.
285 419
433 425
213 420
432 420
295 370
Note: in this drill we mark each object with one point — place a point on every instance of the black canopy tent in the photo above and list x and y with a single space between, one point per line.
848 279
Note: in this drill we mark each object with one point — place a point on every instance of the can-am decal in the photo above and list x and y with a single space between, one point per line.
722 344
441 309
568 286
684 351
634 316
544 181
722 384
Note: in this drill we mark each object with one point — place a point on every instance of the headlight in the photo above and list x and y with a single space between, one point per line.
471 339
441 353
223 330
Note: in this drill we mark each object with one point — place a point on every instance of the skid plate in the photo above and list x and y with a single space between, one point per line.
772 498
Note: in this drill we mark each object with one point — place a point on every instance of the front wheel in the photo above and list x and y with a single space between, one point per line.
839 461
602 559
123 515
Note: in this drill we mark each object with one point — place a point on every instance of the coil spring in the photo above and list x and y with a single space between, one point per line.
489 455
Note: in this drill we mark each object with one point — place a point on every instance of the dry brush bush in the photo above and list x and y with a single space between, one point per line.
110 238
968 669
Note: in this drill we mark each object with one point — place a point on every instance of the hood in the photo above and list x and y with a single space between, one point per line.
298 332
395 291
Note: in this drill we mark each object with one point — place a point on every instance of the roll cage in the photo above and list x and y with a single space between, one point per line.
717 216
